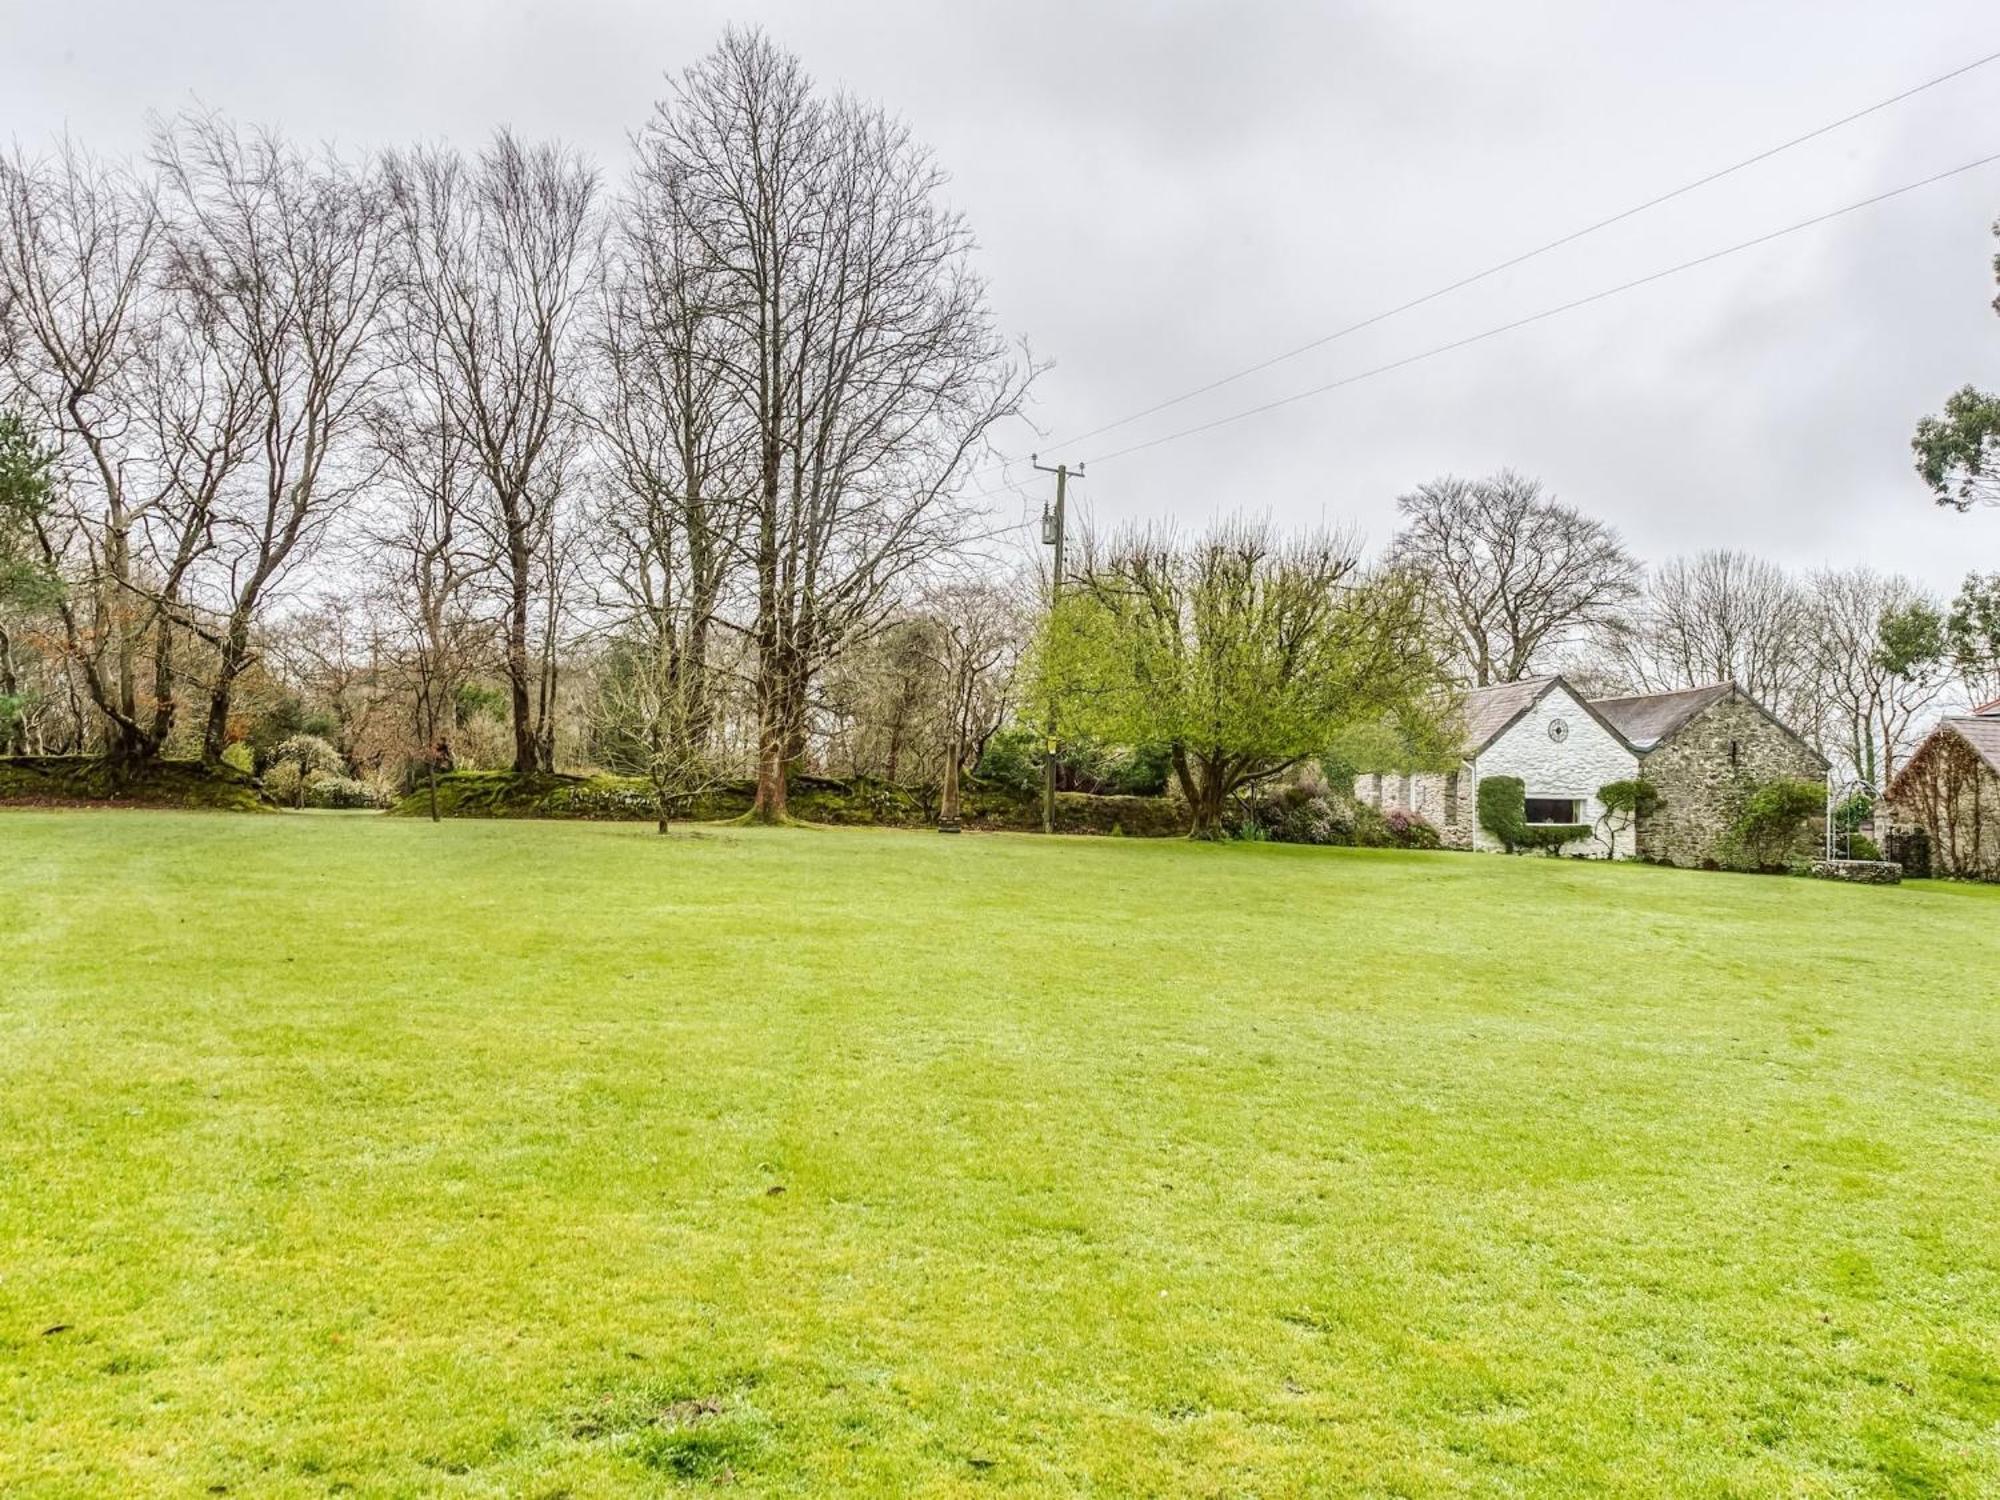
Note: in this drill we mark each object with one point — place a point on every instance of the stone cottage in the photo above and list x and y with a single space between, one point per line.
1702 748
1950 789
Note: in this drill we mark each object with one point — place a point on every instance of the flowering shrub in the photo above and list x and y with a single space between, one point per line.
1408 830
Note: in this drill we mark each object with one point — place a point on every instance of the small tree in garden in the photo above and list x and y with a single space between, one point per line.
1624 803
1503 810
296 761
652 712
1775 816
1242 652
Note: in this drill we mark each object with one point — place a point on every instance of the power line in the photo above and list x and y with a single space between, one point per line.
1527 255
1548 312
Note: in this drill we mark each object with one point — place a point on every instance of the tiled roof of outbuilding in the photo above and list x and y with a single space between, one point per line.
1982 734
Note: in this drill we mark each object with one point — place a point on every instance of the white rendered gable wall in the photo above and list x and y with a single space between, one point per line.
1587 757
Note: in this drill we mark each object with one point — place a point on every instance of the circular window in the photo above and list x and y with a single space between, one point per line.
1558 730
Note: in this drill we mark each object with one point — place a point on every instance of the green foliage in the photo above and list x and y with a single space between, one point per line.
1503 810
1551 838
477 700
1637 798
25 583
1910 641
1860 846
1972 633
239 756
814 799
1958 454
26 488
1014 758
1294 815
1774 819
300 765
1246 654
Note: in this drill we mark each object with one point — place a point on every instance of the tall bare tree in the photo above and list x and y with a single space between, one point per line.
427 560
150 419
1513 575
978 642
679 460
1722 616
495 261
1880 663
862 350
278 258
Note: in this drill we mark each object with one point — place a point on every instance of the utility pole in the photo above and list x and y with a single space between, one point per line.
1052 536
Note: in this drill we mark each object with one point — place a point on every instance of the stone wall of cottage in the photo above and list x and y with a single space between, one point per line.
1586 757
1439 797
1703 772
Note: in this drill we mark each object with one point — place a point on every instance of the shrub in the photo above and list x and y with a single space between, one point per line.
1371 829
1635 799
1299 815
240 756
1013 760
1774 817
1550 838
1503 810
1408 830
1141 771
341 792
1862 847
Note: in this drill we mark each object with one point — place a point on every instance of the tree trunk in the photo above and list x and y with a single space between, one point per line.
770 804
235 654
771 782
1206 788
13 740
526 748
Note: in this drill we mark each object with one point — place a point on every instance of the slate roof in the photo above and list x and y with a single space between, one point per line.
1647 718
1988 710
1489 710
1982 733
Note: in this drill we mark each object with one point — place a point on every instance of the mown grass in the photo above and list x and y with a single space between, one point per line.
355 1155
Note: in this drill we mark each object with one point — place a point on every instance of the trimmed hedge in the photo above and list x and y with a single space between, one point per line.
1503 810
1551 837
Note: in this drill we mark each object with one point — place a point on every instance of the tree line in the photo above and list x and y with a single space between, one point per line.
480 459
704 429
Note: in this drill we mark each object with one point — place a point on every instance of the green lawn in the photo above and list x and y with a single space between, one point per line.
349 1154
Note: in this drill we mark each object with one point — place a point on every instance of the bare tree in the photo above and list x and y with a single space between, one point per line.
1723 616
1510 573
428 560
149 421
278 259
862 351
978 643
679 460
1880 665
495 260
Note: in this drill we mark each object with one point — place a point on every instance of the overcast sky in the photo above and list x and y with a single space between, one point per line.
1166 193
